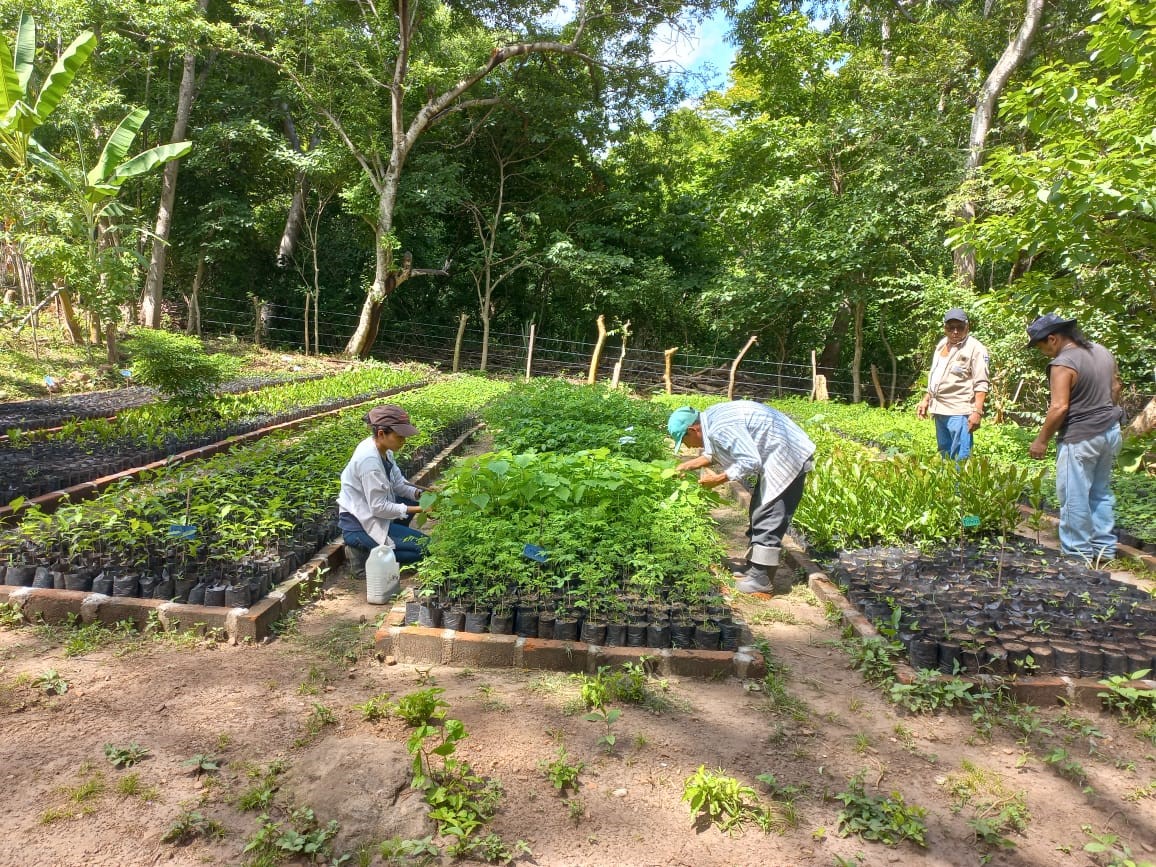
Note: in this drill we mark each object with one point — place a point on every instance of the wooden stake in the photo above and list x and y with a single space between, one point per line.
617 375
592 377
814 376
735 366
530 351
878 387
1016 396
458 343
821 387
668 355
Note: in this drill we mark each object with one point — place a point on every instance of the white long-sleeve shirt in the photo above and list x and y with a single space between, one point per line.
746 438
371 494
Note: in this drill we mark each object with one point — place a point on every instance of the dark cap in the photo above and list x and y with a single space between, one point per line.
957 314
393 417
1047 324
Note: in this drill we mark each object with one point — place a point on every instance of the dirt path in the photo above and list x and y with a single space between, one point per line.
813 725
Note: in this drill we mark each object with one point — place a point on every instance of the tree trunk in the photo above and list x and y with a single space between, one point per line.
485 340
856 377
385 277
153 294
300 190
193 300
68 313
833 349
986 104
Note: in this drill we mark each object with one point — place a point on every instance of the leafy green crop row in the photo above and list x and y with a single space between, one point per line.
154 423
547 415
249 504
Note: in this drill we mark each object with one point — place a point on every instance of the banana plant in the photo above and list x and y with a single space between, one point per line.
19 119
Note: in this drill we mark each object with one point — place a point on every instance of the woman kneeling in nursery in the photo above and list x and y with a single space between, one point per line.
377 502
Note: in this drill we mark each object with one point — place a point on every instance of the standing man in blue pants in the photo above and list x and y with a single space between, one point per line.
957 387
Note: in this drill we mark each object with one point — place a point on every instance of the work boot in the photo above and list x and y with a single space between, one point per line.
754 579
356 557
781 582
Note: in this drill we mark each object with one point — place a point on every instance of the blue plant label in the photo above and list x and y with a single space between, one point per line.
127 374
49 381
971 520
535 553
183 531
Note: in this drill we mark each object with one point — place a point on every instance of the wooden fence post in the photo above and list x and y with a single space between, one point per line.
625 330
597 356
458 343
668 355
735 366
814 376
530 351
878 387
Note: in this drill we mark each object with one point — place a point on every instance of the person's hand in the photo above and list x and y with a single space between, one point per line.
709 479
974 421
1038 449
415 510
687 466
921 409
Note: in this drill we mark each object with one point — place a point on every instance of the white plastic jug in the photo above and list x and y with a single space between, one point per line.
382 575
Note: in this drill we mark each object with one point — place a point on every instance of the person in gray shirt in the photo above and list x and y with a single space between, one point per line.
1084 411
748 439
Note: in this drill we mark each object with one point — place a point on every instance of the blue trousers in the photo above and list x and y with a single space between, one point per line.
409 544
952 436
1084 489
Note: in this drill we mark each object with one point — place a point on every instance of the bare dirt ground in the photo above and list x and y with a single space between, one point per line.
289 705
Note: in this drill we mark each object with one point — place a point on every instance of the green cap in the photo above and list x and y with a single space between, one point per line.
680 420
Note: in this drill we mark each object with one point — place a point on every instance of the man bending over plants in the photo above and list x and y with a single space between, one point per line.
746 439
377 502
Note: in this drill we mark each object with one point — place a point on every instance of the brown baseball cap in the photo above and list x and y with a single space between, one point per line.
393 417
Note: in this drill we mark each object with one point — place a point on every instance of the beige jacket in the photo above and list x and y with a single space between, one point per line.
956 377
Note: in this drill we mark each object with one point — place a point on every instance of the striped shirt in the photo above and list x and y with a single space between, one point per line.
746 438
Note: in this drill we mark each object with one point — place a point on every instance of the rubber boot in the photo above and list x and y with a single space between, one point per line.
755 579
781 582
356 557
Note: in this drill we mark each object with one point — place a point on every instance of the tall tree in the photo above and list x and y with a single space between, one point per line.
421 62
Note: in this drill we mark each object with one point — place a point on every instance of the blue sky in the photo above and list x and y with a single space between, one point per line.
705 51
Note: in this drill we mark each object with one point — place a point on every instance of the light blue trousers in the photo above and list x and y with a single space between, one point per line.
952 437
1084 489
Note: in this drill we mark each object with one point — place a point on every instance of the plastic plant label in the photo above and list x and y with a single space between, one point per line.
535 553
127 374
49 381
183 531
625 440
971 520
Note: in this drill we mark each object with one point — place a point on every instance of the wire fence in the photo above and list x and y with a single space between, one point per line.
283 326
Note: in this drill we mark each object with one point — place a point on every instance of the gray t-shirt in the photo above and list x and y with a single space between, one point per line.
1090 407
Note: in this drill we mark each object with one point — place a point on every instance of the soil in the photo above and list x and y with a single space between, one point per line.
246 707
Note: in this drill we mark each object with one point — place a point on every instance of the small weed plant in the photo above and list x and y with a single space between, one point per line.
51 683
880 818
420 707
721 800
301 836
125 757
1110 850
996 812
190 825
374 709
202 763
562 770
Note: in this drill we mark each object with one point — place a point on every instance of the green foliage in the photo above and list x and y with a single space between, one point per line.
562 770
190 825
418 708
1110 850
375 708
178 366
608 717
51 682
931 691
723 801
302 837
202 763
10 616
995 811
880 818
125 757
556 416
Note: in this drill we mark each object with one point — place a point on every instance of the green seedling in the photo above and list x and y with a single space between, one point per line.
202 763
562 771
125 757
51 682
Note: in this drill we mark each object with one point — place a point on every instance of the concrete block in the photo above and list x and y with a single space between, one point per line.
49 606
701 663
616 657
116 609
481 650
1044 691
258 619
421 645
748 663
539 653
179 617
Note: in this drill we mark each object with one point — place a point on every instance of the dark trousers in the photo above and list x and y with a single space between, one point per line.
769 521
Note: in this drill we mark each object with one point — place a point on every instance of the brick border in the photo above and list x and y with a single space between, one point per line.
419 645
1059 689
236 625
